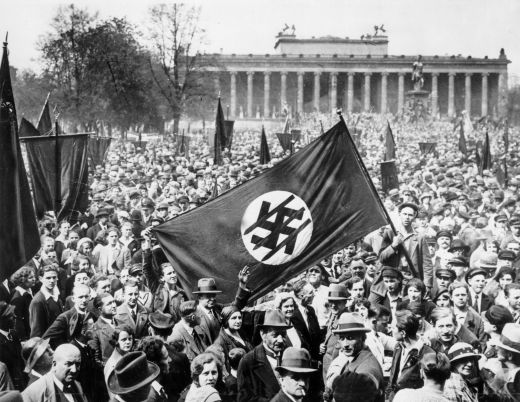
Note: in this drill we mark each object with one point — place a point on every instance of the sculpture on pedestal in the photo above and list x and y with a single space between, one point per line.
417 74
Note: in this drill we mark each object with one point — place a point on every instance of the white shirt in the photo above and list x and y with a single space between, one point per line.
292 334
319 304
23 291
187 327
55 293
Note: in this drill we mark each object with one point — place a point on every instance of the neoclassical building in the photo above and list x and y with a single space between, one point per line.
323 74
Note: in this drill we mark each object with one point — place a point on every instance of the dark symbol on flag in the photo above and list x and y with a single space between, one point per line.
280 226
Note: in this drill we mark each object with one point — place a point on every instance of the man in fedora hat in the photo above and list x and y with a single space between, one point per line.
102 216
210 310
257 378
132 378
407 247
355 375
337 299
37 355
60 383
294 370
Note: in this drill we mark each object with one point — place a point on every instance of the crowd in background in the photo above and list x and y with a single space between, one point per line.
430 312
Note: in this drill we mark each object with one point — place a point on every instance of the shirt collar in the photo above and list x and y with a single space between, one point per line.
289 396
4 333
23 291
189 329
54 295
36 374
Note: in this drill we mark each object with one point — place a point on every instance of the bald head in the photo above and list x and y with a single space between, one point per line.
66 363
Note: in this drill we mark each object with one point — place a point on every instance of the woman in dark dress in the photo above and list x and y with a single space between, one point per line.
230 336
24 279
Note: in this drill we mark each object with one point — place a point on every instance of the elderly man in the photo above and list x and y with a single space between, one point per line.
60 383
294 370
355 375
407 247
257 381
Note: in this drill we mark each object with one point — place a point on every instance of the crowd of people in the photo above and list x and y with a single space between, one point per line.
428 312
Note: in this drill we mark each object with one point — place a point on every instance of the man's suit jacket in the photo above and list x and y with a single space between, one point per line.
210 325
140 326
11 355
310 333
179 333
485 302
43 390
121 259
417 251
281 397
101 336
5 293
94 230
367 382
64 328
41 316
474 323
256 379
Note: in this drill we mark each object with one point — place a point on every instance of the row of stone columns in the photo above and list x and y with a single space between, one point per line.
350 91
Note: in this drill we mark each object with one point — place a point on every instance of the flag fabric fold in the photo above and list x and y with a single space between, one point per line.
265 156
19 235
97 149
228 140
27 129
219 138
279 223
487 162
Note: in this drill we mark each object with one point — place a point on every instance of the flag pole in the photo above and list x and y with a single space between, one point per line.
57 168
371 184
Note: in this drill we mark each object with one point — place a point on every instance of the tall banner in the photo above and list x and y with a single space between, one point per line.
217 140
389 144
45 126
59 173
97 150
279 223
19 235
285 141
487 162
389 178
265 156
229 124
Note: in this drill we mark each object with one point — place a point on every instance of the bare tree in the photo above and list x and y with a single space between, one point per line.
176 63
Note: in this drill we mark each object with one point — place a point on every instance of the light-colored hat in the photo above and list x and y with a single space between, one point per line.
350 322
461 350
510 338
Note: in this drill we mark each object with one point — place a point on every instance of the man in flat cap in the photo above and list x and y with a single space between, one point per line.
407 247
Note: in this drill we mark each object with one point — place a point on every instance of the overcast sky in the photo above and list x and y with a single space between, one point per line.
444 27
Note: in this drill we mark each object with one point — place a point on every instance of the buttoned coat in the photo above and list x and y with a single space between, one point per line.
64 327
43 390
101 335
40 315
140 325
121 259
256 379
179 333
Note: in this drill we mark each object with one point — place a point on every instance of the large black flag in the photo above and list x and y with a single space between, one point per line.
59 173
279 223
45 126
27 129
265 156
285 141
389 144
19 237
97 150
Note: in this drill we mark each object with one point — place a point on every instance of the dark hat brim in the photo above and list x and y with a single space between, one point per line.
113 386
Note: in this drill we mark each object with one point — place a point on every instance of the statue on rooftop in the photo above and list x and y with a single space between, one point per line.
417 74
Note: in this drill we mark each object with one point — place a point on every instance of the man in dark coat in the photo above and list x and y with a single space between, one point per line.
10 348
102 224
294 371
73 323
46 305
361 378
131 312
396 248
257 381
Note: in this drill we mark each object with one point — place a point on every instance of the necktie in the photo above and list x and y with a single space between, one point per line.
277 357
476 304
134 316
198 342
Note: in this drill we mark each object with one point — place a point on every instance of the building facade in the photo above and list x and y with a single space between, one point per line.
323 74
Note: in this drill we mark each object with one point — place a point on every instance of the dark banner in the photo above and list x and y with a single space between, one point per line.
19 236
279 223
27 129
389 144
389 178
427 148
229 124
265 156
45 126
285 141
97 150
296 135
66 159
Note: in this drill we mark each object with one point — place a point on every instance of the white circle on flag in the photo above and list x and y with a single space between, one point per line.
276 227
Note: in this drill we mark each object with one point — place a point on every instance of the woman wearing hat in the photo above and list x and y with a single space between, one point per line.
464 369
229 336
442 298
206 373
